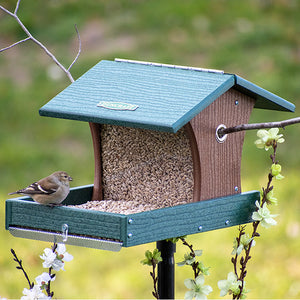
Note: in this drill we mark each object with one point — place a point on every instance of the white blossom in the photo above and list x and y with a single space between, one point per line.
266 138
264 216
43 279
230 285
49 257
34 294
197 288
56 260
62 254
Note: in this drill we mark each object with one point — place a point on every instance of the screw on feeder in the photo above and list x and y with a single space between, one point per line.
236 188
227 222
200 228
129 235
130 221
236 102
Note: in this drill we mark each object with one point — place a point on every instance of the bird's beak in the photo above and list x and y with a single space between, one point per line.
70 178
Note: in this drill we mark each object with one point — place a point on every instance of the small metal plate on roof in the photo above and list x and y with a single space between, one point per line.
117 105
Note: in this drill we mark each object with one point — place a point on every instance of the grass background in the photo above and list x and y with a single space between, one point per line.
259 40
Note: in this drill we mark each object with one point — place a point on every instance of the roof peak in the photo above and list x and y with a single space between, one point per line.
168 66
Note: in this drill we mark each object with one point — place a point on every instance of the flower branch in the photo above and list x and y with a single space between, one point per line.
190 259
54 259
235 283
51 276
152 259
196 287
268 139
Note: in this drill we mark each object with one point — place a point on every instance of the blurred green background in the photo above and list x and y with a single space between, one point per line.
259 40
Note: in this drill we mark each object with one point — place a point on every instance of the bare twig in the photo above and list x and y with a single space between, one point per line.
155 280
20 267
238 239
17 7
15 44
30 37
79 48
280 124
7 11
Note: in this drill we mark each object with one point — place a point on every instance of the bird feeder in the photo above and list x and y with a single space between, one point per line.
161 168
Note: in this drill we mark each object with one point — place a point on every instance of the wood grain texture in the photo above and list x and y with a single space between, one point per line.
196 161
167 98
96 138
134 229
80 222
186 219
220 163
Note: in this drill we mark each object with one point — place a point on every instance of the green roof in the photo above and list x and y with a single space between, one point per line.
152 96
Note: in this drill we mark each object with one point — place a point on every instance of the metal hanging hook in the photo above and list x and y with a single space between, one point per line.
65 230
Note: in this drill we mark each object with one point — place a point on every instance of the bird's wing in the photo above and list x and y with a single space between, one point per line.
37 188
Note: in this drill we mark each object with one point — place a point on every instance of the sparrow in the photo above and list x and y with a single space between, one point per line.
51 190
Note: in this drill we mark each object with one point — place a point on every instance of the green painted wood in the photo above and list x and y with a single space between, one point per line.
167 98
79 195
23 212
191 218
132 229
260 95
80 222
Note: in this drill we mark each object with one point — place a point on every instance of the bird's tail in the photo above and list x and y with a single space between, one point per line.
13 193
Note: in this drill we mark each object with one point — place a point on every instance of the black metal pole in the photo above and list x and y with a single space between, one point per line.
166 270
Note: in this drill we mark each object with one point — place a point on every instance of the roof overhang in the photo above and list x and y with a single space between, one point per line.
160 97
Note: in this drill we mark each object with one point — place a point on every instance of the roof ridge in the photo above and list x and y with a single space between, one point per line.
169 66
